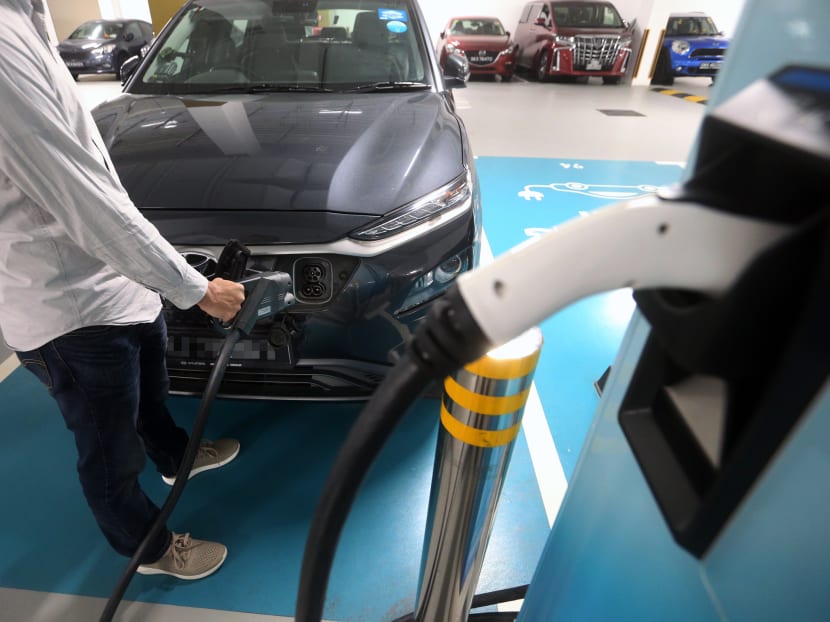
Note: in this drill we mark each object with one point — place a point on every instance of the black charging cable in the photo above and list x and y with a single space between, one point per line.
266 295
448 339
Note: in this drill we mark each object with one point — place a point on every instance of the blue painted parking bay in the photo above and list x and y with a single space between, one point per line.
261 504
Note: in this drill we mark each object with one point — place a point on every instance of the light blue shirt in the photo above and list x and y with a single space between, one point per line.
74 250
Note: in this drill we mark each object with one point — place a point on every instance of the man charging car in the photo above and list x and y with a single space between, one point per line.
80 276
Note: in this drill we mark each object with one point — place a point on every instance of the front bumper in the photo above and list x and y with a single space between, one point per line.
90 64
503 65
562 63
339 348
696 66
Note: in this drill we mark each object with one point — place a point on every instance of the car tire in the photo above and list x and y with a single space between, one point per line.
506 77
542 68
611 79
662 72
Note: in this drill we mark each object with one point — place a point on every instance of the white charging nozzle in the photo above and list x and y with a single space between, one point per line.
644 243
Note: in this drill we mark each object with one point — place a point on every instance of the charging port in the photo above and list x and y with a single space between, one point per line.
313 273
312 280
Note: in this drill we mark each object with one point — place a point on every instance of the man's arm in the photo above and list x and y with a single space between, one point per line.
42 155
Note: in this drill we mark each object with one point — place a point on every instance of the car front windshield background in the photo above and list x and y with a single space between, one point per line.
586 15
691 26
97 30
474 27
220 46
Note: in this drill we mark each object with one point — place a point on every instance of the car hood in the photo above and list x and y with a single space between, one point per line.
481 42
79 45
277 168
702 42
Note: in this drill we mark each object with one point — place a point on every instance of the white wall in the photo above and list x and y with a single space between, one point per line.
135 9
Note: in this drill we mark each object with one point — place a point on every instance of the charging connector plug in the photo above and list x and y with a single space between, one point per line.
265 295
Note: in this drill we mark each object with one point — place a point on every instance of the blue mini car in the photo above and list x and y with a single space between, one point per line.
692 46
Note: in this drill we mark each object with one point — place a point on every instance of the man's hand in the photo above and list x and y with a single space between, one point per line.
223 299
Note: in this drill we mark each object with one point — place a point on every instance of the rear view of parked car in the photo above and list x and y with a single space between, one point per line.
484 41
571 38
101 46
322 136
692 46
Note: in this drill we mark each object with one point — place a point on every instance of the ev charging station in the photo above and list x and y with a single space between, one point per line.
702 491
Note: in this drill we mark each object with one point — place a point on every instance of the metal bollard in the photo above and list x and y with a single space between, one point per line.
481 413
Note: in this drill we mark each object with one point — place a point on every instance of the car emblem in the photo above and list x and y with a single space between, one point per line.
482 52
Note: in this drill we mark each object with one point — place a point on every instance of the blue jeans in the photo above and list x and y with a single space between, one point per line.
110 383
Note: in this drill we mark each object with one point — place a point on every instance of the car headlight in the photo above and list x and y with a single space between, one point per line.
625 42
564 41
680 46
510 49
456 194
107 48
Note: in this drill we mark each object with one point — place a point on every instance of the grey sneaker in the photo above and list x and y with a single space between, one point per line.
210 455
188 558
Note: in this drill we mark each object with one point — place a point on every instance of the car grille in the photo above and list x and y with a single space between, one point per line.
707 52
593 49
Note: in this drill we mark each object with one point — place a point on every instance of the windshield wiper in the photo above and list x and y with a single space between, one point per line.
266 88
388 86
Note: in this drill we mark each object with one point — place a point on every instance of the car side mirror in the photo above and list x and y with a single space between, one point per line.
507 33
129 36
456 71
128 68
541 21
443 34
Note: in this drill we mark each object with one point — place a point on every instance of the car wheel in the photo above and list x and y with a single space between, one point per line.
542 69
507 77
662 72
611 79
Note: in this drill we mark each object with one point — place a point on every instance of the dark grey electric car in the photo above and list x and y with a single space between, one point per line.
323 136
102 45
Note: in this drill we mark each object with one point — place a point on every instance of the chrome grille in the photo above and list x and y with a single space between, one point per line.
595 49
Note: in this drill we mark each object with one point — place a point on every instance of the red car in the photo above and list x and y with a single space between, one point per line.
573 38
484 41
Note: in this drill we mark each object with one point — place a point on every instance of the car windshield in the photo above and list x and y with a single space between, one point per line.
97 30
695 26
586 15
219 46
477 26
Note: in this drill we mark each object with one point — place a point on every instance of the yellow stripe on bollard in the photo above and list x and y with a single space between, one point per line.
477 436
484 404
503 369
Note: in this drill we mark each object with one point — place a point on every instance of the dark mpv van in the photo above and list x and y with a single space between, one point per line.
573 38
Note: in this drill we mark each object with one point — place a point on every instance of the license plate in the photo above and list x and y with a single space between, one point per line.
74 63
197 352
593 65
481 59
709 65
